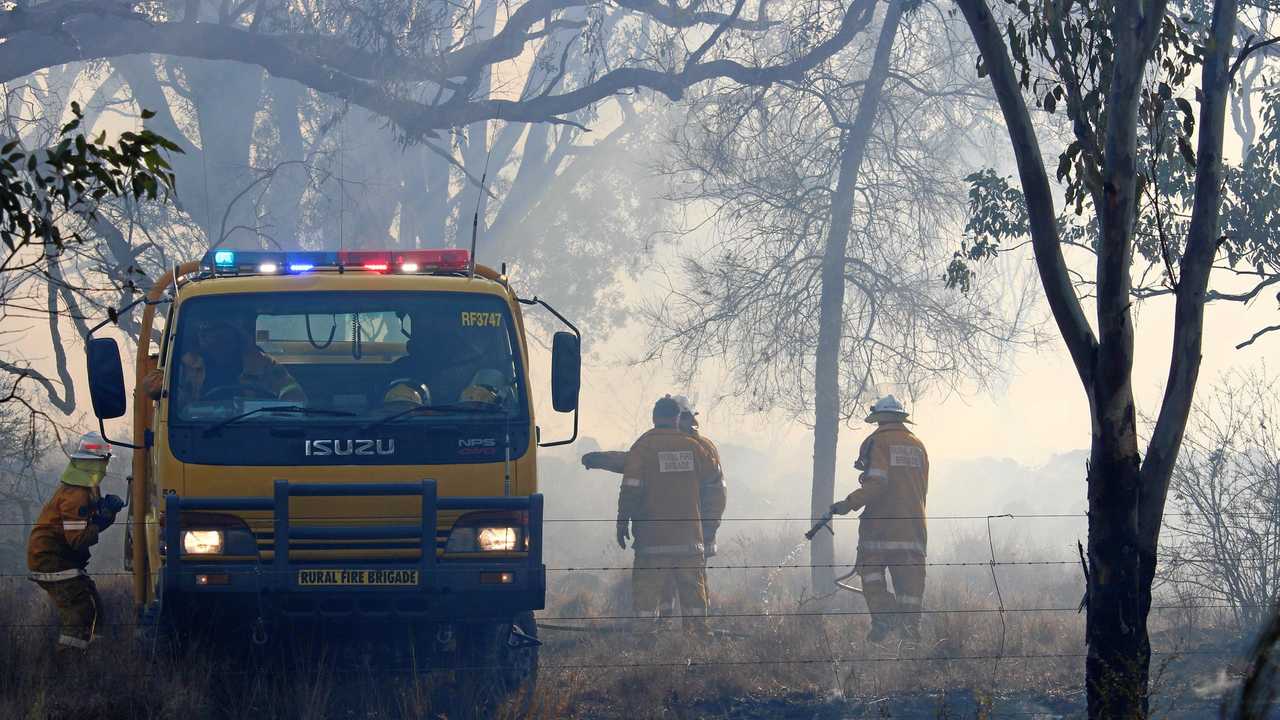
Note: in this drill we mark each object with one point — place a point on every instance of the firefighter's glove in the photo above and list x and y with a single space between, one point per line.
112 504
624 533
843 507
105 511
102 519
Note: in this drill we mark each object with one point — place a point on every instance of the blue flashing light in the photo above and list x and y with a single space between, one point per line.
235 262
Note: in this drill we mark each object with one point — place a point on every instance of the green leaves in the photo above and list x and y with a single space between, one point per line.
42 189
1064 54
997 212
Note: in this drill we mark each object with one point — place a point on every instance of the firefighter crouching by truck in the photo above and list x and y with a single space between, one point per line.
892 536
58 548
660 502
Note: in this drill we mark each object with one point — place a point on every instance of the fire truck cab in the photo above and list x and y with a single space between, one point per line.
335 438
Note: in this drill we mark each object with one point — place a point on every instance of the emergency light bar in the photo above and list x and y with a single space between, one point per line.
255 262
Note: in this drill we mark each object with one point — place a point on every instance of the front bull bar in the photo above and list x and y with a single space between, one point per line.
281 574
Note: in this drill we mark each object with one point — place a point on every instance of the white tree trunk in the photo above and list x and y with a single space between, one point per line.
826 369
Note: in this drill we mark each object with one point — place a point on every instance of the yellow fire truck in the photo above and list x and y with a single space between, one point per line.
340 439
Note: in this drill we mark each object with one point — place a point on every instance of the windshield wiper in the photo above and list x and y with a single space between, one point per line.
419 409
297 409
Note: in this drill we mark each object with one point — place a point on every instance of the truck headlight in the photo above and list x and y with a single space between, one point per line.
497 539
484 532
202 542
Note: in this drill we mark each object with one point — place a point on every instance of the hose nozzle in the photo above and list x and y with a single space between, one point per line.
823 522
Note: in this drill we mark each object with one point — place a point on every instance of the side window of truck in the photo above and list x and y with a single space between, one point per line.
166 336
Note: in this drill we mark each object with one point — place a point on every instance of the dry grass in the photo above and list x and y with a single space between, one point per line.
780 665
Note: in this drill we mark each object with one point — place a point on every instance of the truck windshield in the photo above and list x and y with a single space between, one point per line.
347 358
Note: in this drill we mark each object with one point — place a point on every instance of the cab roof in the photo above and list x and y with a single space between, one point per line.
485 281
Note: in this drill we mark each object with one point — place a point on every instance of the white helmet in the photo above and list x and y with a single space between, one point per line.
686 407
92 447
887 409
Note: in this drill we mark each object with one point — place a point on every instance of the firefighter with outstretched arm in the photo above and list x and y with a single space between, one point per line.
660 505
58 549
892 536
712 496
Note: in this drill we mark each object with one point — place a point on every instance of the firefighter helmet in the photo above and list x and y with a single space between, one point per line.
688 415
89 461
406 392
92 447
480 395
887 409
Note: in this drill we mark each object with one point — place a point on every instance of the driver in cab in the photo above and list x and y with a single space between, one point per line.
226 363
449 357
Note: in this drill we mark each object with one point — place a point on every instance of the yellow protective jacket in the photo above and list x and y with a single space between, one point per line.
895 482
58 548
661 493
712 495
615 461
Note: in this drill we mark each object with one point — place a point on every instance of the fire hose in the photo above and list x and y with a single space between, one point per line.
825 522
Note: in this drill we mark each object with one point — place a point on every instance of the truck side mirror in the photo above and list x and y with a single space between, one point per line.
106 378
566 371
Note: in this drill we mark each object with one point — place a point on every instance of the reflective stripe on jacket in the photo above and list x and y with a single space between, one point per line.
895 483
57 576
661 491
60 541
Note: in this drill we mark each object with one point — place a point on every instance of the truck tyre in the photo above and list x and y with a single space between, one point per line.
498 665
520 666
157 632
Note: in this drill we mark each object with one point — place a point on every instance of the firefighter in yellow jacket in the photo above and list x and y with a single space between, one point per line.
712 495
58 549
892 536
660 503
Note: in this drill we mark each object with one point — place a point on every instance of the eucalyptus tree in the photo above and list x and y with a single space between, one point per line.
1154 208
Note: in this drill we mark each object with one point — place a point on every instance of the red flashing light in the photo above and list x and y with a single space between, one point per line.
408 261
440 259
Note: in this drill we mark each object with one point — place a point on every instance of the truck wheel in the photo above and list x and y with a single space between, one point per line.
499 664
520 665
157 631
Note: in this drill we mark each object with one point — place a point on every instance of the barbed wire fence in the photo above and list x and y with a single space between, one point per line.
598 622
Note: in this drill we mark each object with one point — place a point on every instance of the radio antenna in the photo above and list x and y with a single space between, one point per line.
342 147
475 218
